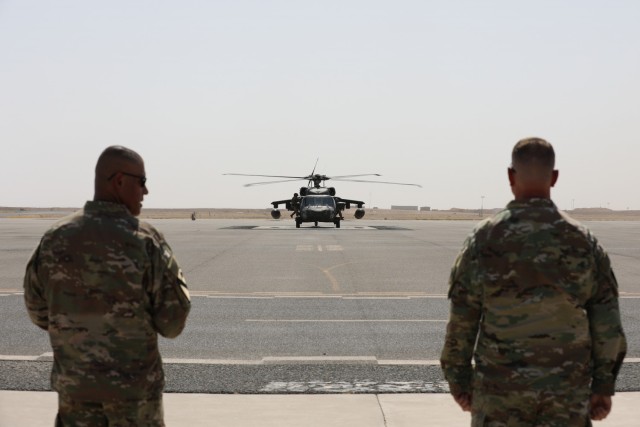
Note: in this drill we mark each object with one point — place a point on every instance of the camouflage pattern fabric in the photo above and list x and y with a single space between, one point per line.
104 285
531 408
535 303
139 413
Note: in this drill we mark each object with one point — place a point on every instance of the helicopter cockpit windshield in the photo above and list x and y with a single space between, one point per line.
318 201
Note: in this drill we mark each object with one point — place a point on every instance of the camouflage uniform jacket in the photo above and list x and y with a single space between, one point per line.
104 284
535 303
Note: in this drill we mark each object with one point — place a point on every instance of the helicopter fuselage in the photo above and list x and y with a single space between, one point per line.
317 204
318 208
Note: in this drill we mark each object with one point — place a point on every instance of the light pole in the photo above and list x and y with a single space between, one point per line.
481 205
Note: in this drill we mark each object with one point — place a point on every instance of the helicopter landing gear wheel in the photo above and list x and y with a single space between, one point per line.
337 224
316 223
297 223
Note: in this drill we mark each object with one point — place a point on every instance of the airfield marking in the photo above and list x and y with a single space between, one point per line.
27 358
324 296
266 360
319 295
346 320
320 248
272 360
334 282
278 360
17 357
356 387
335 286
274 295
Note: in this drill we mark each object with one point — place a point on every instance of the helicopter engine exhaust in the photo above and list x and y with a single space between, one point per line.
359 213
275 214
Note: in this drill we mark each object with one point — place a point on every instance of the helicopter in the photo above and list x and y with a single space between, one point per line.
317 203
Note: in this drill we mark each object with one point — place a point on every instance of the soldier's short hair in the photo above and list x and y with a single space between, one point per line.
534 152
117 153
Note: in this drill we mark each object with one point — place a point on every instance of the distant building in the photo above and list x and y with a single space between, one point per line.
404 208
425 208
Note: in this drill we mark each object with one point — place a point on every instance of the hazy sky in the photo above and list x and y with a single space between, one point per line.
428 92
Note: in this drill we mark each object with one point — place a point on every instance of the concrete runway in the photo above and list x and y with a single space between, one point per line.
310 310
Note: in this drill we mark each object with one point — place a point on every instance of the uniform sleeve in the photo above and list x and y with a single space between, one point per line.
464 318
170 296
34 295
609 344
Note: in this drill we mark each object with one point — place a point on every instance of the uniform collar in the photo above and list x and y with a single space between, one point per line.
531 203
116 210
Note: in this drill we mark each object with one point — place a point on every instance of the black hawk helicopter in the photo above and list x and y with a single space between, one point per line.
317 203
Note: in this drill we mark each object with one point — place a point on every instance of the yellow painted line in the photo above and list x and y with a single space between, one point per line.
335 287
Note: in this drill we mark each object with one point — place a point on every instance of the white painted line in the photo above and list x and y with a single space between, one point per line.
304 248
380 298
231 297
321 359
409 362
357 295
212 361
11 291
308 296
346 320
280 360
334 248
24 357
319 248
10 357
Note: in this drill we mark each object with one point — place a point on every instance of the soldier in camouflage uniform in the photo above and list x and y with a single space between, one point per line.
295 204
104 285
535 303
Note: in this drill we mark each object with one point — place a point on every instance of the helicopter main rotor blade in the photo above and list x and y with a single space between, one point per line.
378 182
353 176
267 176
270 182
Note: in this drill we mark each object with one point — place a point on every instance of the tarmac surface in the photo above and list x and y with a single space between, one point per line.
305 327
38 409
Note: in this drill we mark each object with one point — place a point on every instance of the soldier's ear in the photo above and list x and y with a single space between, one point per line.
118 180
554 177
512 176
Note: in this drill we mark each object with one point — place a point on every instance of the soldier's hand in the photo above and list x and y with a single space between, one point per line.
464 401
599 407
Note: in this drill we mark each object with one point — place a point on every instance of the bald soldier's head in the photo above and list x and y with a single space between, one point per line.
532 172
120 178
